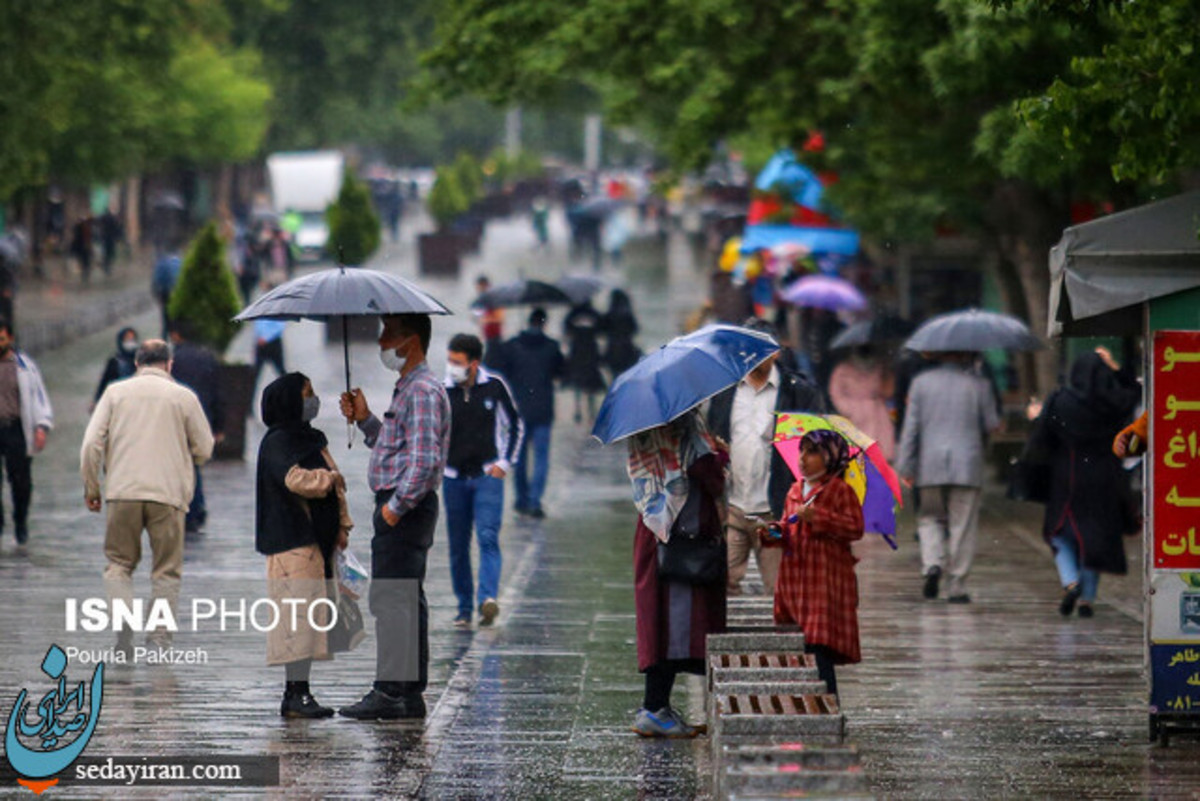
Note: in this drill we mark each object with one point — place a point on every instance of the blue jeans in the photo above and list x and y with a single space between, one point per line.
478 501
1066 557
529 493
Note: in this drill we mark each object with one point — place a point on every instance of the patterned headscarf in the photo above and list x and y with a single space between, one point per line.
832 446
657 467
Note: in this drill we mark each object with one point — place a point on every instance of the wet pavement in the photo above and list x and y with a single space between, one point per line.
1002 698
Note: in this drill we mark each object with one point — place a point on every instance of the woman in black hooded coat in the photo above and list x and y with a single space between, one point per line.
120 364
301 517
1091 504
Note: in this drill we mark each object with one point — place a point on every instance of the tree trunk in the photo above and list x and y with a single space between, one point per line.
1026 223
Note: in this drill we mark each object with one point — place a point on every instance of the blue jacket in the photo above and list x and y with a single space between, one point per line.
530 362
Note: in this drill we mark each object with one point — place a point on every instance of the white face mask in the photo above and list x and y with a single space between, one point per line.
456 373
312 407
392 360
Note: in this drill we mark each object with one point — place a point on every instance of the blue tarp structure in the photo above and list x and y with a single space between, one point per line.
841 241
800 182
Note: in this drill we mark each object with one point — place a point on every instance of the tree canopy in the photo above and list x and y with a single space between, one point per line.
92 91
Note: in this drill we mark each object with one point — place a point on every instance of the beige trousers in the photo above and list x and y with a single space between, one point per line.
742 540
947 526
123 548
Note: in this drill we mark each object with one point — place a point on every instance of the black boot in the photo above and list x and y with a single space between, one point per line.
299 703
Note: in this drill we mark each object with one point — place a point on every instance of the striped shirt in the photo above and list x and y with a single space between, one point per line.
410 444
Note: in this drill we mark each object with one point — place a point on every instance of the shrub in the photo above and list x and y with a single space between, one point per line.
206 296
446 199
353 224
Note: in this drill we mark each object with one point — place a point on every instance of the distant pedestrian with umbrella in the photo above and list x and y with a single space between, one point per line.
491 318
582 327
859 388
620 326
1090 506
817 588
531 362
950 415
409 447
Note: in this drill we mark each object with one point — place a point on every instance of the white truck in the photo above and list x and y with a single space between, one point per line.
303 184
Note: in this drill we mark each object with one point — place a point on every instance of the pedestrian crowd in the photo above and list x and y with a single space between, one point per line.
710 480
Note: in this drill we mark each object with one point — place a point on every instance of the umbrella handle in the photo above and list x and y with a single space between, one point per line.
346 363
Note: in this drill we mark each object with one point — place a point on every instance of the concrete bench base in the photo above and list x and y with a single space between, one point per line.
778 715
752 642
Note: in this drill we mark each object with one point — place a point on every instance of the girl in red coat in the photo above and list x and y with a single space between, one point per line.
817 588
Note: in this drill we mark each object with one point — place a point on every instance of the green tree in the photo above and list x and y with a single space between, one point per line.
93 91
353 223
919 101
206 297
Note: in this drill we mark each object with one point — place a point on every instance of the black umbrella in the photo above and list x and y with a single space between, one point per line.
878 330
597 209
973 330
522 293
341 293
579 287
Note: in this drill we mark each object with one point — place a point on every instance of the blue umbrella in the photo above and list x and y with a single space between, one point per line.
677 377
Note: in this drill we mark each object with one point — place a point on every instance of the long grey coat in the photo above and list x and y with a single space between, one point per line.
951 411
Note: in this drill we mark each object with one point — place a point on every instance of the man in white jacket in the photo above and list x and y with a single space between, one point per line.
25 419
148 432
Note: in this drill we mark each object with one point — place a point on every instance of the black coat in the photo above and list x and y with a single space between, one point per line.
530 362
120 365
197 368
583 361
1090 497
796 393
283 520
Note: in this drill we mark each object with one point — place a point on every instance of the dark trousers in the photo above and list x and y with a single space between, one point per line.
197 513
825 671
268 352
15 456
400 552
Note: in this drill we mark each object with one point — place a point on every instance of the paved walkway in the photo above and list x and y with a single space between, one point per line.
999 699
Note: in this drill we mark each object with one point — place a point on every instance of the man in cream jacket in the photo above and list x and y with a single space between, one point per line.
148 433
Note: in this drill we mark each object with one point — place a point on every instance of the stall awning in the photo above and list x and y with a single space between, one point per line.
1102 271
818 240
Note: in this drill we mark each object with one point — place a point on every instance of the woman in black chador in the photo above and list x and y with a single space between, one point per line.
301 518
583 356
620 326
1090 503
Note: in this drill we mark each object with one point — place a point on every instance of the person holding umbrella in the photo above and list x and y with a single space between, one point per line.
817 588
667 466
950 414
677 469
409 447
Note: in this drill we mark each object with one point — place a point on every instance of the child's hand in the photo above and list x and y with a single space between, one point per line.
806 513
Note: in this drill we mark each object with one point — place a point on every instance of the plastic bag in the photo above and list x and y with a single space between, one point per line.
352 576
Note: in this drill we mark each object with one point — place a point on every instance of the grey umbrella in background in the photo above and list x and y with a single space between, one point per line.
342 293
521 293
579 287
973 330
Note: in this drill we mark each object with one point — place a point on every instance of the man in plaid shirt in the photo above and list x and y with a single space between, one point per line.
408 456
